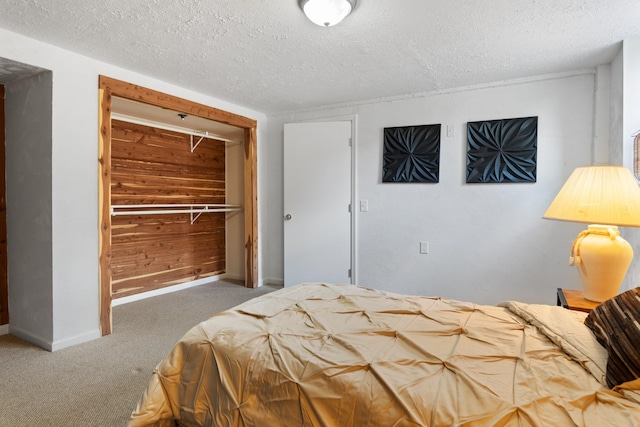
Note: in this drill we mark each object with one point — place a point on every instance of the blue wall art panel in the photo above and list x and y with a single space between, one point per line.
502 150
411 154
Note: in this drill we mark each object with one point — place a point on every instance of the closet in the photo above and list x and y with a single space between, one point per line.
177 192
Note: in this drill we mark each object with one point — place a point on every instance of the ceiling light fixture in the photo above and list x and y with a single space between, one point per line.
327 12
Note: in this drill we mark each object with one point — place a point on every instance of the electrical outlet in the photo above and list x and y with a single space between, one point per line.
424 247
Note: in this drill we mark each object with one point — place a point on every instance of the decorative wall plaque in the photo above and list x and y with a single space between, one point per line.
411 154
502 150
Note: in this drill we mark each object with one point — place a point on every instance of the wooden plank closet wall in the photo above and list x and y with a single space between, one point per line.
155 166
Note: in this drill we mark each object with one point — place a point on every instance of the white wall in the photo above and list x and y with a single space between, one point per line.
616 112
626 105
631 98
29 203
488 242
75 176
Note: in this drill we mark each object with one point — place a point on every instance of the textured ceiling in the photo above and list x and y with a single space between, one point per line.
266 55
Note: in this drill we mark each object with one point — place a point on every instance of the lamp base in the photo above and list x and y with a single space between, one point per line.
602 258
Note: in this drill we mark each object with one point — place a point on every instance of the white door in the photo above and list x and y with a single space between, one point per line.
317 195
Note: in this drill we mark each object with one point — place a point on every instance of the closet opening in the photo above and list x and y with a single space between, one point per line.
178 200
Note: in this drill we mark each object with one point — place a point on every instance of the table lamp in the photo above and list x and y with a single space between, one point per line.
604 197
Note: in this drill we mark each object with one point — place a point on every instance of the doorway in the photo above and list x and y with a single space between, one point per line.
317 202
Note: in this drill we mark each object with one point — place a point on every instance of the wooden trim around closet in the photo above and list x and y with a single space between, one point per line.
109 87
250 207
104 207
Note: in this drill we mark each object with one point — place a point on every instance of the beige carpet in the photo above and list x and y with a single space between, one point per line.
98 383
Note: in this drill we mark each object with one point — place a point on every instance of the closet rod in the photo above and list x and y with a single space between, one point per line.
173 205
143 122
194 210
159 209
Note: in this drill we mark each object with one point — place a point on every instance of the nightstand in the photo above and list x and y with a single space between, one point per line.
574 300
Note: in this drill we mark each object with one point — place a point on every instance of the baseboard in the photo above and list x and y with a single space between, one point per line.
274 282
31 338
175 288
4 329
55 345
169 289
78 339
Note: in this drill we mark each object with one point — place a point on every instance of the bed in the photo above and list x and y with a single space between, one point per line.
343 355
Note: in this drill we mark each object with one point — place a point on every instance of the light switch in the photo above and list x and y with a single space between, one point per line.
364 206
450 131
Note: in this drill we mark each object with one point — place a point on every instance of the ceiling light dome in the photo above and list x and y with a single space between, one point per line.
327 12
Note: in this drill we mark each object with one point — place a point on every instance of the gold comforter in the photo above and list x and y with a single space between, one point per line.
340 355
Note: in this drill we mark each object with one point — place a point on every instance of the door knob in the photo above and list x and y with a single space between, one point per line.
287 217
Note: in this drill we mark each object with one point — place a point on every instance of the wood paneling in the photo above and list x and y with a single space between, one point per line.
154 251
4 291
109 87
154 166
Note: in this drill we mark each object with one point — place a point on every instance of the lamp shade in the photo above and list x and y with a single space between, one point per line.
607 195
327 12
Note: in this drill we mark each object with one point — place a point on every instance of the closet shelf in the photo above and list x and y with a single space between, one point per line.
201 134
194 209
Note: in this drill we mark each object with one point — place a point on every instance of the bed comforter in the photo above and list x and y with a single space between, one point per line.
341 355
